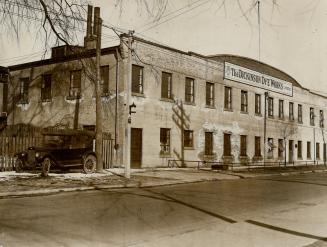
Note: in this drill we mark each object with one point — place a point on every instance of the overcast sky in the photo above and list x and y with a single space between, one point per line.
293 34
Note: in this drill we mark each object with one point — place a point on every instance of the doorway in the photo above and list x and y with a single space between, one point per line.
136 148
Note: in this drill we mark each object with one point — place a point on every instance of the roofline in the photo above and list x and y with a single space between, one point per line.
86 54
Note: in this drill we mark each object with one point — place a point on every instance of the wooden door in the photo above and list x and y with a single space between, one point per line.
290 151
136 148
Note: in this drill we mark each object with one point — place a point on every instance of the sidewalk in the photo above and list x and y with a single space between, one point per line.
31 184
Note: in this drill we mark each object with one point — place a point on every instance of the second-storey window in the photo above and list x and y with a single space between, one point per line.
75 84
137 79
258 104
299 114
189 90
270 107
281 109
46 88
165 140
166 85
210 94
321 118
228 98
312 116
105 79
23 90
291 111
188 138
244 101
208 143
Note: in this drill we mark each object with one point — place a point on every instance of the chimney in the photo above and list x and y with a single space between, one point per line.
96 20
89 39
89 21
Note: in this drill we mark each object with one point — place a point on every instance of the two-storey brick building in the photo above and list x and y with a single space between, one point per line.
188 106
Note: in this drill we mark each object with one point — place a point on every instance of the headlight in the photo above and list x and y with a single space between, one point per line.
37 155
23 154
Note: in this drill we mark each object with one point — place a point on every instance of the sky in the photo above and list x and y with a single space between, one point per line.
293 32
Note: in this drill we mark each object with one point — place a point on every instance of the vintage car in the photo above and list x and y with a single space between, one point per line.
60 149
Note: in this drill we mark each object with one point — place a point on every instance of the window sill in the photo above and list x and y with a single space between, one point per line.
227 109
299 158
165 155
72 97
244 112
188 148
210 106
189 103
138 94
291 120
272 117
23 102
281 118
46 100
167 100
258 114
300 122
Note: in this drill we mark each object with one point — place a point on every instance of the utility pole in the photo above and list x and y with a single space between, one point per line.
98 110
259 28
128 88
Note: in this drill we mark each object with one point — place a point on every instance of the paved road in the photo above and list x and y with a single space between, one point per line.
275 211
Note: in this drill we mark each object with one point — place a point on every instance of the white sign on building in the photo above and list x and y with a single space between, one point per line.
253 78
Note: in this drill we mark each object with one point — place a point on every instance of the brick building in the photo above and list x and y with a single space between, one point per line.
188 106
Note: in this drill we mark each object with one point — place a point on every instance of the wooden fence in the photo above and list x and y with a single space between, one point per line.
18 138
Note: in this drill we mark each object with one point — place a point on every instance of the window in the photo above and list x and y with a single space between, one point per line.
280 148
321 118
312 116
291 111
208 146
228 98
75 84
188 138
227 145
105 79
165 140
270 148
270 107
189 90
299 149
137 79
23 90
166 85
257 146
210 94
258 104
242 145
299 113
281 109
244 101
46 88
308 150
317 151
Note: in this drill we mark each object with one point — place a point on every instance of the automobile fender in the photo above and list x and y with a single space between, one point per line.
22 156
88 153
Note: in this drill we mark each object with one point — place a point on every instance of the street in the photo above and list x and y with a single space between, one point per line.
269 211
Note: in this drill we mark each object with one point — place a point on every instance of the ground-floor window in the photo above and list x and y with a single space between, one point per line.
280 148
270 148
299 149
188 138
165 140
308 150
257 146
317 151
208 146
243 145
227 145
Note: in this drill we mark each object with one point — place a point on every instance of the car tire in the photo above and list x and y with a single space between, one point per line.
46 164
89 163
19 165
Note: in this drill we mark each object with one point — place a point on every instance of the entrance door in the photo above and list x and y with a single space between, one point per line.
136 148
290 151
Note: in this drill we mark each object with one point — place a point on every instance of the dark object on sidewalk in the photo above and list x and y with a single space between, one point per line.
219 167
61 149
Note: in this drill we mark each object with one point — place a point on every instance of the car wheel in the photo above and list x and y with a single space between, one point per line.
19 165
46 167
89 163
